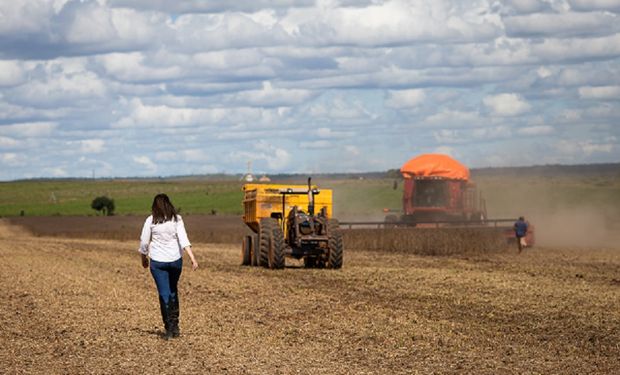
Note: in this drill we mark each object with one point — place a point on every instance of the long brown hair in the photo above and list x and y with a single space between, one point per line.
162 209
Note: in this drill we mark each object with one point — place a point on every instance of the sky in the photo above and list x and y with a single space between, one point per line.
120 88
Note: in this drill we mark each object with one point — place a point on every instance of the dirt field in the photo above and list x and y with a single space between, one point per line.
86 306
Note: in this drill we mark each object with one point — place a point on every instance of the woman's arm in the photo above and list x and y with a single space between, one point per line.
145 240
189 252
184 241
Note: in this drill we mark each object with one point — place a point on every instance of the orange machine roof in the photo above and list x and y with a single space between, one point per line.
435 165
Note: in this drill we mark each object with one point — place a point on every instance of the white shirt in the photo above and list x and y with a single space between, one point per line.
163 242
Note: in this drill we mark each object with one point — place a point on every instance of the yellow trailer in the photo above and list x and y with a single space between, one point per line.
290 220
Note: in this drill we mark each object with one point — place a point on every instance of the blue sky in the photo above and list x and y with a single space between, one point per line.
159 88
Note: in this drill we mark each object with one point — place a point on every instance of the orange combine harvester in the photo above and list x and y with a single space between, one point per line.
438 192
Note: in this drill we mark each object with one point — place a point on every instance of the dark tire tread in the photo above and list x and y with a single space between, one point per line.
335 243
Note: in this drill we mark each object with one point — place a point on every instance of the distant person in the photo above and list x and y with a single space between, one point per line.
163 241
520 228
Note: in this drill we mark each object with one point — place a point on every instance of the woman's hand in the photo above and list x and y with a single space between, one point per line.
189 252
145 261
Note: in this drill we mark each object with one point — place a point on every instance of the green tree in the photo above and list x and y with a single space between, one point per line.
103 204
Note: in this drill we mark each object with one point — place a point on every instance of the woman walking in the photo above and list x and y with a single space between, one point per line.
163 241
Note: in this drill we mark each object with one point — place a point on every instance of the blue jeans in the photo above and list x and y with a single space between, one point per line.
166 275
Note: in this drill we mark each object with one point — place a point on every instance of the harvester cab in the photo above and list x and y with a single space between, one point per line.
275 213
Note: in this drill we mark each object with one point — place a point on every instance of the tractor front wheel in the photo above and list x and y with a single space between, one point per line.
276 253
265 237
334 258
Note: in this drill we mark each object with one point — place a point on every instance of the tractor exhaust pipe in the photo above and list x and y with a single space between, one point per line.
310 197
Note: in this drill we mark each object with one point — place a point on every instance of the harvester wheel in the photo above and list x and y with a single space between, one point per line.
246 251
265 234
334 259
276 255
254 250
390 221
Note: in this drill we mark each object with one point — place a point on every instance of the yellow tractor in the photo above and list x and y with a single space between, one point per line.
290 221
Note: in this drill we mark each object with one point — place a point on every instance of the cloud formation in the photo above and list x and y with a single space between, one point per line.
139 88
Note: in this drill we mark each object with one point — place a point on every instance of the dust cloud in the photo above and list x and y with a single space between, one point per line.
579 227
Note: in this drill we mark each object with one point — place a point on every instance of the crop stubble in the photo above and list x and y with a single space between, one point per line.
86 306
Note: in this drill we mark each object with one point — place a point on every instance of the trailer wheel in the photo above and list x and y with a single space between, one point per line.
309 262
246 247
334 259
276 255
254 250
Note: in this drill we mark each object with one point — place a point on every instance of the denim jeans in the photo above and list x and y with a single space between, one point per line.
166 275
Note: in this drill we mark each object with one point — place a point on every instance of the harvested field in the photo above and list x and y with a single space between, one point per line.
204 228
86 306
230 229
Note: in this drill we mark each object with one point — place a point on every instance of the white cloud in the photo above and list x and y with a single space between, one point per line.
359 82
320 144
270 96
29 129
275 158
577 49
589 5
563 24
92 146
340 108
455 118
601 92
208 32
11 73
445 150
392 22
133 67
405 98
12 159
145 162
55 172
165 116
506 104
61 89
526 6
586 147
7 142
24 16
536 130
195 155
211 6
450 136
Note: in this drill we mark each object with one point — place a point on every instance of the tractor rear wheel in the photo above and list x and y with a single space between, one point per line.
334 258
265 236
246 251
276 253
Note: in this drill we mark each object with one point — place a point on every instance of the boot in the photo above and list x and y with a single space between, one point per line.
165 316
174 316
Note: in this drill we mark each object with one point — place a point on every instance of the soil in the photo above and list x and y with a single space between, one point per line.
87 306
203 228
